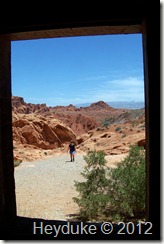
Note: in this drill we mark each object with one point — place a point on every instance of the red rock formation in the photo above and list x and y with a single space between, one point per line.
99 105
69 115
39 126
41 133
142 143
80 124
110 141
19 106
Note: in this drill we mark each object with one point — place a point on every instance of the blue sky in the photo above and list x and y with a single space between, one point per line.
76 70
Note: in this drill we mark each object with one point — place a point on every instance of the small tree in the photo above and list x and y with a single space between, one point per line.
113 193
127 185
93 196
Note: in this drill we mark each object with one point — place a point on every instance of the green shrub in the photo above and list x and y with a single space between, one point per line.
118 129
93 196
105 123
108 121
127 185
113 193
17 162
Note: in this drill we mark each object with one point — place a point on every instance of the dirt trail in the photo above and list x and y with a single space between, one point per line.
44 188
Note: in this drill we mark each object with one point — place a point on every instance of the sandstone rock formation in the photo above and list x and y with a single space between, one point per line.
142 143
41 132
43 129
20 106
77 119
111 140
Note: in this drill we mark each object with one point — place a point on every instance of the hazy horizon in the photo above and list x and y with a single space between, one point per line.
115 104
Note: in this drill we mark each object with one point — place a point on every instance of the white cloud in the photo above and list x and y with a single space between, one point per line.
129 89
126 89
95 78
131 82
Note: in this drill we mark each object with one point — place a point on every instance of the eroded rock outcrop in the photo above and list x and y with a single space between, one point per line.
142 143
41 129
41 132
20 106
111 140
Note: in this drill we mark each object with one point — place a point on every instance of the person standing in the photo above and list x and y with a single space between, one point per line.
72 150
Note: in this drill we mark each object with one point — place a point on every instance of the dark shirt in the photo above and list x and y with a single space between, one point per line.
72 147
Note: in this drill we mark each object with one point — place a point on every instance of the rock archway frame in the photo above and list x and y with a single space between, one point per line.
133 20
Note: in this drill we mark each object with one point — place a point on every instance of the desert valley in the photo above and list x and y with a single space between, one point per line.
40 131
41 135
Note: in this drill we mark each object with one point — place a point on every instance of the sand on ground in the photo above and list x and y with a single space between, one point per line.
45 188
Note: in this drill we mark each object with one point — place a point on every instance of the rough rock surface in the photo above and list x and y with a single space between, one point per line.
41 132
142 143
110 140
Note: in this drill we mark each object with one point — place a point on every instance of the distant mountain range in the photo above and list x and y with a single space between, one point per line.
121 105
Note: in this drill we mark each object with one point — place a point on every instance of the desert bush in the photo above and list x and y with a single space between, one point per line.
108 121
127 185
114 193
93 196
118 129
105 123
17 162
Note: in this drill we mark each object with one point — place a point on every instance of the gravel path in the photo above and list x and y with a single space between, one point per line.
44 188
